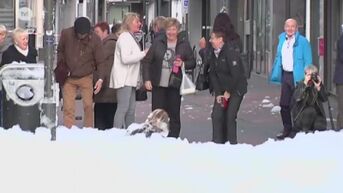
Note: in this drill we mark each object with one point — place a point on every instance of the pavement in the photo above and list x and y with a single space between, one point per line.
258 119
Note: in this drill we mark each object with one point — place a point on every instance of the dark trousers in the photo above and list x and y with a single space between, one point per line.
104 115
168 99
224 120
310 120
339 91
287 90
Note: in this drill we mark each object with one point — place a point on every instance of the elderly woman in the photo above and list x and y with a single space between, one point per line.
126 70
105 102
171 48
308 113
20 51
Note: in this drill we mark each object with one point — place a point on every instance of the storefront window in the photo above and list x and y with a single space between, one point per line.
27 14
7 13
298 11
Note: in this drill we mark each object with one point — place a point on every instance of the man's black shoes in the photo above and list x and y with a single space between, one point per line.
285 133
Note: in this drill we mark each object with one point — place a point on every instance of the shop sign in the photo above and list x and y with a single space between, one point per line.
25 14
321 46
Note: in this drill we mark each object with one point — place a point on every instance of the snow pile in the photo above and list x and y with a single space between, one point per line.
275 109
92 161
267 103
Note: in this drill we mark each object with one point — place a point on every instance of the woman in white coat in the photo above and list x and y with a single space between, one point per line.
126 70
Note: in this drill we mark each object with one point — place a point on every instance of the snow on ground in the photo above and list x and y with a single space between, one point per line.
92 161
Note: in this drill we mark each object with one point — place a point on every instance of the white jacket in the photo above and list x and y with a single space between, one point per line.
126 64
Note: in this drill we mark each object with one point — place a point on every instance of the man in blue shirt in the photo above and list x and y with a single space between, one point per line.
292 56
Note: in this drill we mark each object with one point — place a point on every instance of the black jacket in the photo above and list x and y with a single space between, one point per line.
308 95
13 55
226 72
152 62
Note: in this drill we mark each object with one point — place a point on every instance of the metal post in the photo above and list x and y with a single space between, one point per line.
49 105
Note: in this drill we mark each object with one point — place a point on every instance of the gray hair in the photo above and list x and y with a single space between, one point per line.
3 28
17 32
311 68
128 19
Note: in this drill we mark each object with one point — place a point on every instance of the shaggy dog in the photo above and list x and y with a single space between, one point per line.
157 122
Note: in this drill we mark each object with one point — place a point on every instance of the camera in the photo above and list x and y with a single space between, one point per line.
314 77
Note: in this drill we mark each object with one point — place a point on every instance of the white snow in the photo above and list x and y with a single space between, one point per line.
92 161
268 105
265 101
276 109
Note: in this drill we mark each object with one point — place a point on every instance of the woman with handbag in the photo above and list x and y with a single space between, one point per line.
229 86
126 69
166 55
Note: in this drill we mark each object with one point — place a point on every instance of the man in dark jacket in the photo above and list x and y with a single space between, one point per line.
229 86
81 51
338 80
307 109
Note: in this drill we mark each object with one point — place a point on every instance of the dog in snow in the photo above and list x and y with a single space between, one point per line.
157 122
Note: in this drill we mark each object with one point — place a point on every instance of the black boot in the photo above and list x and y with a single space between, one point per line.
285 133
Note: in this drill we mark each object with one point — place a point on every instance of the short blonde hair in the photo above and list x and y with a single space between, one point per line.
128 19
173 22
18 32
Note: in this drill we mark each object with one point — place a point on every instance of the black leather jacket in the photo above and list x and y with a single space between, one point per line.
308 95
226 71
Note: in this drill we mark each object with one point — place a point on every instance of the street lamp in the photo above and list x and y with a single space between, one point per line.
49 102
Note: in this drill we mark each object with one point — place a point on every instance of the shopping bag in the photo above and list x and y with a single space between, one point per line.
187 86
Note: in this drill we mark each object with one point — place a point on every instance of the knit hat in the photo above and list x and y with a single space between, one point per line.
82 25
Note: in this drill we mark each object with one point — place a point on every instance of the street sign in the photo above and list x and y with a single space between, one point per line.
185 3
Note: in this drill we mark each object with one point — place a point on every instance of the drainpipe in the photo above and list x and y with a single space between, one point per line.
308 20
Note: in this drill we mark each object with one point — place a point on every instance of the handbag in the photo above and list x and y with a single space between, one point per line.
62 72
202 82
175 80
141 94
187 86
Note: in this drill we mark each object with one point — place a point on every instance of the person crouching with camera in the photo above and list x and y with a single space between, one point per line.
307 106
